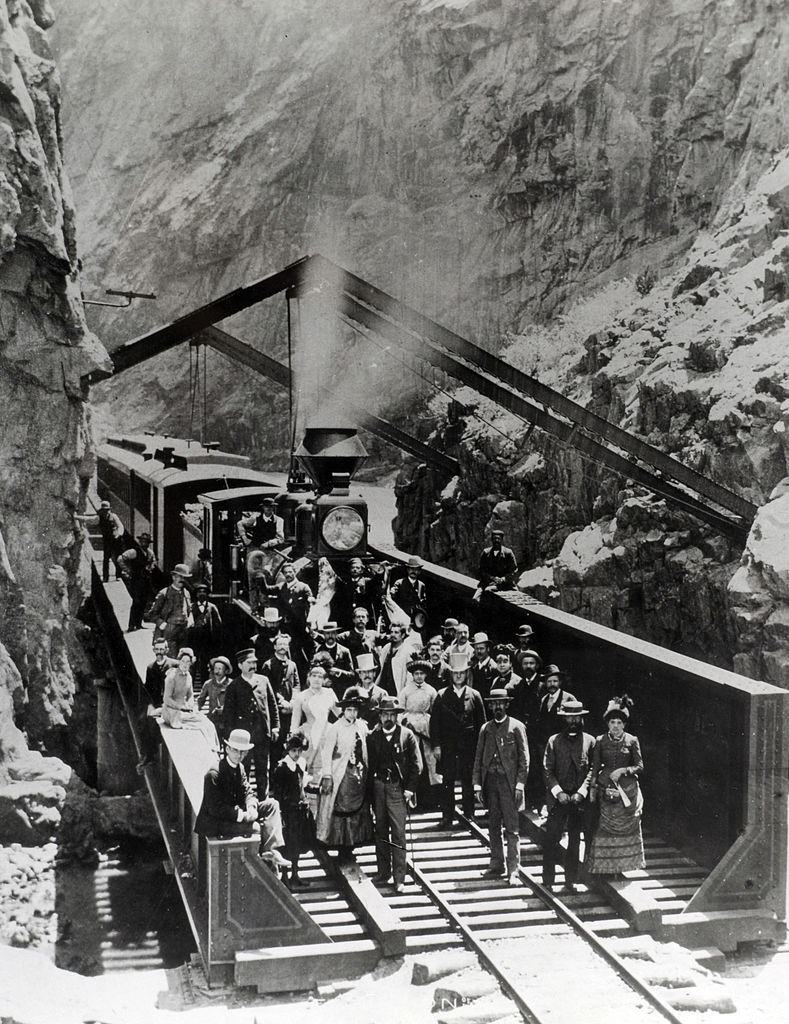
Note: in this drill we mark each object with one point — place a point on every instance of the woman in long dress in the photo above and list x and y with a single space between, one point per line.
616 765
417 698
179 708
311 710
344 818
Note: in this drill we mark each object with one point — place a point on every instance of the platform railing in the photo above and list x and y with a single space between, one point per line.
715 743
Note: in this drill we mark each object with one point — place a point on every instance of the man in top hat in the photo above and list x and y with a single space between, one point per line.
448 631
497 566
395 657
342 670
501 767
171 610
366 671
250 704
483 668
458 715
394 764
360 639
230 808
568 772
205 633
409 592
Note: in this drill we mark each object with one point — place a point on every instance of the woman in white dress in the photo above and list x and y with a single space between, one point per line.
417 697
344 819
311 710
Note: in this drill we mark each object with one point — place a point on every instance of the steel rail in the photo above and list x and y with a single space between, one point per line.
563 912
473 943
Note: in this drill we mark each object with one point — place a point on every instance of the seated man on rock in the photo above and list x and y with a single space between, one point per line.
230 807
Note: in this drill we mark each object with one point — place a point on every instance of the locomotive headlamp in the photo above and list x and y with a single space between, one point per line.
343 528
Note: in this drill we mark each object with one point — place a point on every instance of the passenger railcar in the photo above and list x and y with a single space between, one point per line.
152 480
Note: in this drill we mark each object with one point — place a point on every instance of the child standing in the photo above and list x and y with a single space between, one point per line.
298 823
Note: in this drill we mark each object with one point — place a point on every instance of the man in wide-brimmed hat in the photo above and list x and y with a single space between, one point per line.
366 671
395 765
342 670
501 767
250 704
458 715
409 592
171 610
568 772
214 690
230 808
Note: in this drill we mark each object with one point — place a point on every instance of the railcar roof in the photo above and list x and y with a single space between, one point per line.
238 493
138 453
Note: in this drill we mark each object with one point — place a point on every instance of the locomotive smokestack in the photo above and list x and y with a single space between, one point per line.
331 456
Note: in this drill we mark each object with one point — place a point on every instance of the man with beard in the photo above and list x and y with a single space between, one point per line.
483 669
547 723
448 632
501 767
461 644
342 669
359 640
366 671
409 592
523 649
205 633
362 591
280 670
395 657
250 704
568 772
497 566
394 768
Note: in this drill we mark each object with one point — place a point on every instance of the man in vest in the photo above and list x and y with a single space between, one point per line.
280 670
360 639
250 704
366 671
342 662
171 610
501 767
394 764
263 536
409 592
568 772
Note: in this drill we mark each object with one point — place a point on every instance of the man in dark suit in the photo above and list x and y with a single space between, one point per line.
568 772
230 808
483 668
501 767
409 592
250 704
343 674
360 639
497 566
547 724
456 718
394 765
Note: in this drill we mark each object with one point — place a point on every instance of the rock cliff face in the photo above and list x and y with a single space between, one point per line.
45 448
483 159
512 169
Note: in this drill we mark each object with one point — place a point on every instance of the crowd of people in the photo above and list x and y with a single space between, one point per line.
353 723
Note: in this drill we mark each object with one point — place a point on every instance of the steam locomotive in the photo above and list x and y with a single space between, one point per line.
190 496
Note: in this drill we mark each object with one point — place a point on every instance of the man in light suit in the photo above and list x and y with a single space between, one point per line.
501 766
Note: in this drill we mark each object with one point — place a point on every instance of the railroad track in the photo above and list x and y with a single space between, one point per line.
536 945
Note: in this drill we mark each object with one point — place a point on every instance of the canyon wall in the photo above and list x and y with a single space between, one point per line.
45 446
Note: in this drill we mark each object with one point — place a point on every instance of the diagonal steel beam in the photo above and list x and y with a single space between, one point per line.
427 329
369 319
239 351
